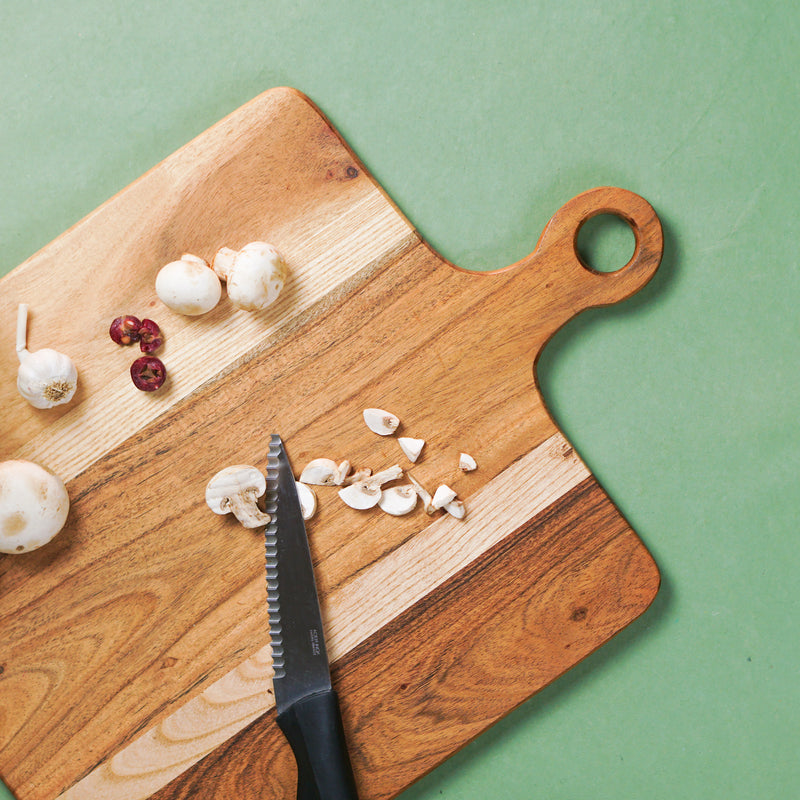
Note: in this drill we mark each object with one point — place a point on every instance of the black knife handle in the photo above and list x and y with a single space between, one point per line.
313 727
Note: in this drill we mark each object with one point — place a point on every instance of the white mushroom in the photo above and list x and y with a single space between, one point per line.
367 493
33 506
360 495
384 476
398 500
255 274
466 462
188 286
411 447
308 500
455 508
380 421
223 261
442 496
320 472
358 475
236 490
342 472
45 378
423 494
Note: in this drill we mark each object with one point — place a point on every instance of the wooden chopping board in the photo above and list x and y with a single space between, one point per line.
134 658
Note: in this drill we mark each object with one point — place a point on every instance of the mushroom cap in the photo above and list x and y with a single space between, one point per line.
188 286
231 481
320 472
360 496
398 500
256 276
33 506
307 498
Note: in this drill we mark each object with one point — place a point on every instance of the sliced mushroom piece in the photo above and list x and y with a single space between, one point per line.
308 500
236 490
360 495
456 508
384 476
398 500
342 471
442 496
320 472
411 447
423 494
466 462
381 422
358 475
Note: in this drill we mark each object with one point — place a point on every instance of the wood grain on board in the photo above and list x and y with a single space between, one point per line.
134 647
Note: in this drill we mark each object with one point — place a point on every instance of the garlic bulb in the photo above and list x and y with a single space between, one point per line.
45 378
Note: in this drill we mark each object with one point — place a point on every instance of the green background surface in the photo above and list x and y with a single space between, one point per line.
480 120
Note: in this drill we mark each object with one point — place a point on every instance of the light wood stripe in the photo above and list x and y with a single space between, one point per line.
368 235
370 601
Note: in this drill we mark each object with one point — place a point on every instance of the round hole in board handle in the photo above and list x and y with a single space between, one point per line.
605 243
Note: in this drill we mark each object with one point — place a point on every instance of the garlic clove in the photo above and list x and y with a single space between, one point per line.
466 462
34 505
320 472
45 377
360 496
423 494
455 508
188 286
398 500
308 500
380 421
411 447
256 276
442 496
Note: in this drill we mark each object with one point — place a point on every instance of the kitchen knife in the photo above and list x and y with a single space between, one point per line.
308 710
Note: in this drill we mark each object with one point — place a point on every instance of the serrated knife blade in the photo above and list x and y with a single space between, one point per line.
307 706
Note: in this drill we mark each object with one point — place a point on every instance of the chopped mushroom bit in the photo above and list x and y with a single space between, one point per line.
442 496
456 508
384 476
358 475
381 422
320 472
308 500
423 493
342 472
411 447
466 462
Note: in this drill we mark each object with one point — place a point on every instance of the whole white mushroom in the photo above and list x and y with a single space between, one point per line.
188 286
254 275
33 506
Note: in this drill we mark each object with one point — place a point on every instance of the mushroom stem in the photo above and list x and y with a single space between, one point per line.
22 332
244 508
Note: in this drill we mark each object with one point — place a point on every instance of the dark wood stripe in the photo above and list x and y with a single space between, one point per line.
429 682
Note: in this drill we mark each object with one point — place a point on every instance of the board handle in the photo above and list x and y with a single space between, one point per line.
559 243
